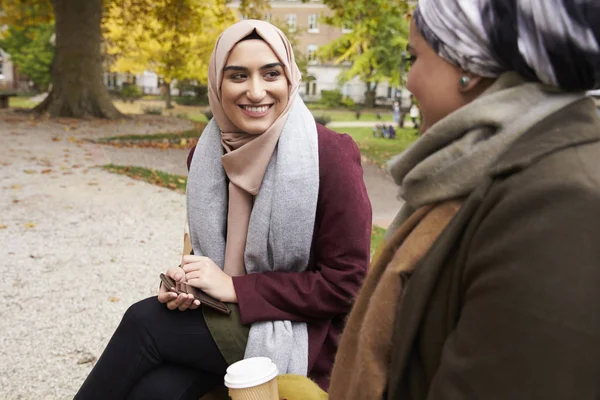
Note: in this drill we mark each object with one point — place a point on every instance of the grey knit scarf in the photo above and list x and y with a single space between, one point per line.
281 224
454 155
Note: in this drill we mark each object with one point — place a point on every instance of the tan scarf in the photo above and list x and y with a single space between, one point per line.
362 362
247 156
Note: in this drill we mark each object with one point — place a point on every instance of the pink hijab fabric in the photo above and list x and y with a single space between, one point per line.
247 156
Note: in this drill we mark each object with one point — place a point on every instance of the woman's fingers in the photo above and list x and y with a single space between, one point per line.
186 302
176 273
195 304
177 302
164 295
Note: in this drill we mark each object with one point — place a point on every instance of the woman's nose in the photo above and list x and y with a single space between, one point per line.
256 90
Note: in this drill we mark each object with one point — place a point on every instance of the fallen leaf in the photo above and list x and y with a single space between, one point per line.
15 201
180 180
56 139
16 187
113 299
46 171
93 183
3 226
30 225
86 359
30 171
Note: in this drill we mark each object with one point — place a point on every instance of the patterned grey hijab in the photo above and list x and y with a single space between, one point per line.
555 42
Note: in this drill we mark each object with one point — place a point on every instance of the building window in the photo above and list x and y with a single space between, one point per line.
267 17
311 54
311 88
313 23
291 21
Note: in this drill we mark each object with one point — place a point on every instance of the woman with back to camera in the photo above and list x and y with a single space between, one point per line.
487 285
280 223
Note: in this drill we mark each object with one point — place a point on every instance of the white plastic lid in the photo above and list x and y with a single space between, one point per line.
250 372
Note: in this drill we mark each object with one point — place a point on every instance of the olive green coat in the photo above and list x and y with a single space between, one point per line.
506 304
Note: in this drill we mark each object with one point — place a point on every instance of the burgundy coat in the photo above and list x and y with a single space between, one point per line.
323 295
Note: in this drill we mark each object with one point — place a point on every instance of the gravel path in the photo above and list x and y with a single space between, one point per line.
78 245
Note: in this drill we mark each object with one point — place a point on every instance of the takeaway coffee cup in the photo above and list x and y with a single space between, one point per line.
252 379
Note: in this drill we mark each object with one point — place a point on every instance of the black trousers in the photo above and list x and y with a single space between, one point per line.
156 353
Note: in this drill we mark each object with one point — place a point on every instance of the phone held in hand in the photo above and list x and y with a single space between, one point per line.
198 294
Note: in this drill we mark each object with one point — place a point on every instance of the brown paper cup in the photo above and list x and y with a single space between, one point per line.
266 391
253 379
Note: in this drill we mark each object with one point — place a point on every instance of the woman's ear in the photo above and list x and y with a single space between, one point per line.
468 82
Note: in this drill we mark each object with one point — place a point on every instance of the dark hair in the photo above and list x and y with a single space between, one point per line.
251 36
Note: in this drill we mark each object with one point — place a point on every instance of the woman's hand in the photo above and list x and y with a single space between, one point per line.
203 273
173 300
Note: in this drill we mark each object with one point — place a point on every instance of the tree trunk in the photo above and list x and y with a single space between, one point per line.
370 95
78 88
167 86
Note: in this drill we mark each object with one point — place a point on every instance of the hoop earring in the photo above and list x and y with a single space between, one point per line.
464 81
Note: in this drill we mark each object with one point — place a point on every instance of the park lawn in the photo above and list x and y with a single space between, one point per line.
346 115
377 236
380 150
158 178
194 113
193 134
20 102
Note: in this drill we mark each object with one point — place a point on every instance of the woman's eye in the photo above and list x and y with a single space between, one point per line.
272 74
237 77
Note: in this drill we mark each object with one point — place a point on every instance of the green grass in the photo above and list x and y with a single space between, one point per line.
346 115
194 133
198 117
159 178
20 102
376 237
380 150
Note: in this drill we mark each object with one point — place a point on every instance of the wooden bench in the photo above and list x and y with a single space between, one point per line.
4 96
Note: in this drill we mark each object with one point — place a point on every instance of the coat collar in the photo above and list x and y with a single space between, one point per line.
576 124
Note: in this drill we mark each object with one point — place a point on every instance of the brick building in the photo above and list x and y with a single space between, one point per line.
312 34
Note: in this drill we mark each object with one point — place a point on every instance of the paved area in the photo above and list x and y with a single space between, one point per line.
79 244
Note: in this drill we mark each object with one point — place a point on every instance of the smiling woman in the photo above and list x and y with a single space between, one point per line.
279 223
254 94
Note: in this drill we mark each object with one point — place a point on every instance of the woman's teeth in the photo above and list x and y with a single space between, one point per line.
256 109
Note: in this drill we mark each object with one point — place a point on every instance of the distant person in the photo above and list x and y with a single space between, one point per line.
396 112
384 131
280 223
391 132
414 115
377 131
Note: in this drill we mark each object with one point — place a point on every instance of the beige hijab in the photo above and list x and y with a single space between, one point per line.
247 156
